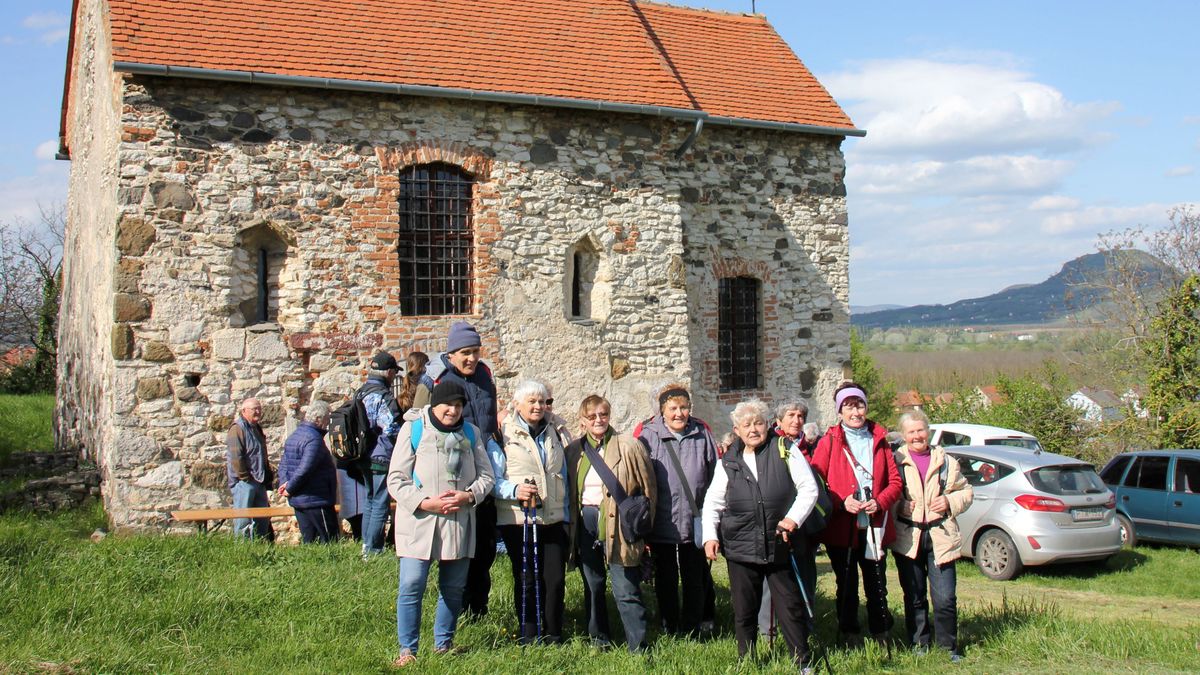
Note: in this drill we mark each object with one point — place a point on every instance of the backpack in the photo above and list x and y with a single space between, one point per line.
351 434
818 518
417 426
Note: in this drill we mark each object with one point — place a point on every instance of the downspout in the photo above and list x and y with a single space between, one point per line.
687 142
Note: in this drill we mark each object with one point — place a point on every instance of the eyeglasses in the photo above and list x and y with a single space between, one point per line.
594 417
549 401
854 405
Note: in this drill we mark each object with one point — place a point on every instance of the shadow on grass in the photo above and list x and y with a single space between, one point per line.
992 621
1123 561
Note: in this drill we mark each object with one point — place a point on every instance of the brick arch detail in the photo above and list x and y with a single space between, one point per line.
393 159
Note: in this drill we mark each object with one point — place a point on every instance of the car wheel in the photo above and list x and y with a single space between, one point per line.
1128 536
997 556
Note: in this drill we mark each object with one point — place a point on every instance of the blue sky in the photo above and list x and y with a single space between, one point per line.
1002 136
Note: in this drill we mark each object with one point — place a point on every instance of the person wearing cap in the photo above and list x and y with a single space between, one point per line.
461 364
677 442
385 415
860 473
438 474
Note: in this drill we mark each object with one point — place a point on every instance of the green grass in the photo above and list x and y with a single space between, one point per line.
172 604
26 424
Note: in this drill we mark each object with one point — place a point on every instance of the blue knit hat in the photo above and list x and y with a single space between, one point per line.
462 335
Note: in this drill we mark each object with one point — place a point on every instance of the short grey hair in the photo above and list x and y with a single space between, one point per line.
811 431
527 387
317 410
789 404
913 416
749 409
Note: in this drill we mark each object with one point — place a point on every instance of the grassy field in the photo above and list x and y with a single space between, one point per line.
208 604
26 423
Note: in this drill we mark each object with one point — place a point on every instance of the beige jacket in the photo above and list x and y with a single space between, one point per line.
946 538
630 463
523 461
434 536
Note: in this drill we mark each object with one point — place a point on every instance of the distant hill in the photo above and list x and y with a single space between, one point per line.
1063 294
867 309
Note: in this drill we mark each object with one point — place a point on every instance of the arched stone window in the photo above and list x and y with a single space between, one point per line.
436 240
739 332
258 261
587 282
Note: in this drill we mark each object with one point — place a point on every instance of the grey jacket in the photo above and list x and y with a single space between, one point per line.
698 458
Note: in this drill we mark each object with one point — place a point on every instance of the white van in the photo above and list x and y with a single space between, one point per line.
947 435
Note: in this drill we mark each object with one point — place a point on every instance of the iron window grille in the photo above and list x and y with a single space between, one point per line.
436 243
738 329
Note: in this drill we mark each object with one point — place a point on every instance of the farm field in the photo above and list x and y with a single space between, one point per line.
186 603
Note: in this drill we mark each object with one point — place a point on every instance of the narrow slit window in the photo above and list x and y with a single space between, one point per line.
436 243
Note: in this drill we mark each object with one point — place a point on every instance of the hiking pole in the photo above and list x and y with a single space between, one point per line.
524 571
822 652
537 576
879 582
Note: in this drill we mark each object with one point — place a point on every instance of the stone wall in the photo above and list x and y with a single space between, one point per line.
206 167
56 481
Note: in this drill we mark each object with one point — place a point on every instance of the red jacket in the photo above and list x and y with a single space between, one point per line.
830 461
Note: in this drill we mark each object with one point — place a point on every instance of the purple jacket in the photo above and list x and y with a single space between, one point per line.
698 458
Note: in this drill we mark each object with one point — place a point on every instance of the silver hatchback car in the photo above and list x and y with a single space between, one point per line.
1033 509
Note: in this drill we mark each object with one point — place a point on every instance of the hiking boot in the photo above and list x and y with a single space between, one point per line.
405 659
955 657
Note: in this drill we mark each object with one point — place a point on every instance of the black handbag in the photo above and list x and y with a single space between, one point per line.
634 513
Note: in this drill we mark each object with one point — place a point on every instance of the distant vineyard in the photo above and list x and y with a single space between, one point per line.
935 371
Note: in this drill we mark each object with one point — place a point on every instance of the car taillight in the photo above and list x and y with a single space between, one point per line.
1036 503
1111 503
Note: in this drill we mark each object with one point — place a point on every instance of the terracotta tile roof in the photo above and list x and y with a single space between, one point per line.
593 50
736 65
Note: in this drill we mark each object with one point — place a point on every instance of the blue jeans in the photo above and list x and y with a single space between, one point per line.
414 573
247 494
376 514
941 580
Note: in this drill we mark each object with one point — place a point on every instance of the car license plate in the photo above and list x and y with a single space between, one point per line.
1084 515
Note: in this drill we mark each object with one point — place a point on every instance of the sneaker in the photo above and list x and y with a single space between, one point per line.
955 657
405 659
602 643
920 650
448 649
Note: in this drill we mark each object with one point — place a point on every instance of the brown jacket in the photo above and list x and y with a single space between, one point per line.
630 463
946 538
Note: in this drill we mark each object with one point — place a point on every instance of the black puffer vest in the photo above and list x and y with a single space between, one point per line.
754 506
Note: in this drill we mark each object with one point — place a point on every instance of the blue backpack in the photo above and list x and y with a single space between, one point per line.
418 427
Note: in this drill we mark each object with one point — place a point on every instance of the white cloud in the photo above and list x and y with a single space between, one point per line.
949 110
1180 171
46 150
988 174
51 27
22 198
1095 219
1054 203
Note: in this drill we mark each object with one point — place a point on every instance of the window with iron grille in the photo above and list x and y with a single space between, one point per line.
738 330
437 241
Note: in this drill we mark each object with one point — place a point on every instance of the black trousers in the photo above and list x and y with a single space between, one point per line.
676 566
317 524
846 563
479 574
746 591
551 572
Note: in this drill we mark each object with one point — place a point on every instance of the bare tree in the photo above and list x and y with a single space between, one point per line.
30 279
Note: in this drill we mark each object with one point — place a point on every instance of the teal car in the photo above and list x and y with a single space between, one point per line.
1158 495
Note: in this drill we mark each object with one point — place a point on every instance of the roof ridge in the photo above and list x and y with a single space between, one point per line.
700 10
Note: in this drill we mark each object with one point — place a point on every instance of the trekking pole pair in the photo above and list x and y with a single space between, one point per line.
530 526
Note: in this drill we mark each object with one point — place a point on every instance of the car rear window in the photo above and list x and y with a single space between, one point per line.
1027 443
1074 479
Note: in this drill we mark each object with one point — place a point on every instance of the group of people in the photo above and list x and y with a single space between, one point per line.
580 494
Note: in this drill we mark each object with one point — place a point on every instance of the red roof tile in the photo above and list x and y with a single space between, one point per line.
596 50
736 65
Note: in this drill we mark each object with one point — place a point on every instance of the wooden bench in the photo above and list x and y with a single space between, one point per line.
201 517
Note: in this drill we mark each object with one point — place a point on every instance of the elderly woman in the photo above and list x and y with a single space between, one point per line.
438 472
752 513
532 512
860 473
684 456
596 528
927 536
308 476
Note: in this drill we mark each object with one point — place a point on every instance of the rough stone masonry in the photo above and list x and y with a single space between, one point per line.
179 183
